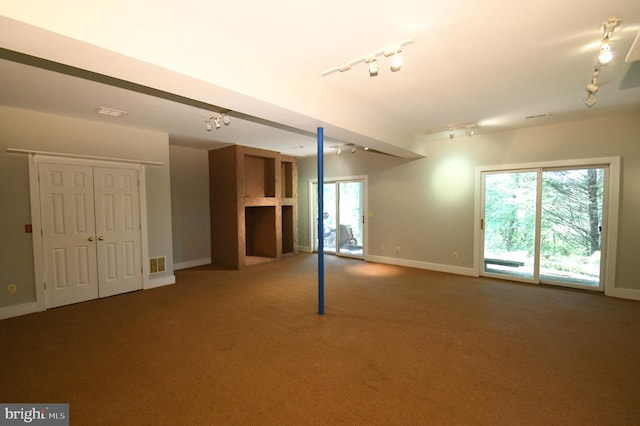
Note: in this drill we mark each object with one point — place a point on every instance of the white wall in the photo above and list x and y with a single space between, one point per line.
31 130
191 223
426 206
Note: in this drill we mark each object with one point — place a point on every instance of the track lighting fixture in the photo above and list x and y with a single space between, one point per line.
217 121
350 147
605 55
468 128
396 62
608 27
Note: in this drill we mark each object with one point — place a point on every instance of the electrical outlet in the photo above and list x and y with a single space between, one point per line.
382 247
397 249
454 255
11 289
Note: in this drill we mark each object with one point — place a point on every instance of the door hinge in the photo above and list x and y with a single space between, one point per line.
45 286
482 224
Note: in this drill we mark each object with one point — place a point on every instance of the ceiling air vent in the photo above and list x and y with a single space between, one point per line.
110 111
531 117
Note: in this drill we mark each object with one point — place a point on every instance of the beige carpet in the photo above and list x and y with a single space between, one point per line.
397 346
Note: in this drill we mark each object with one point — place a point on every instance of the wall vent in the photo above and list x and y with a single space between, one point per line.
157 264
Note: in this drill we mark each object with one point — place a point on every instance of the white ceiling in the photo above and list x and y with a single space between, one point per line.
492 62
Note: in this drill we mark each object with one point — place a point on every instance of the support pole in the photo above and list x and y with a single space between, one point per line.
320 220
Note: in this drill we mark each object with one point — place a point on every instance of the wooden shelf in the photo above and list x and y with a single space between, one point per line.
254 196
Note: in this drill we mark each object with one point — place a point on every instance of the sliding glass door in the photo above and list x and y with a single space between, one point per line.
343 228
545 225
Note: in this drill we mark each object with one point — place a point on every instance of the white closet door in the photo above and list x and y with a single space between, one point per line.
68 227
117 200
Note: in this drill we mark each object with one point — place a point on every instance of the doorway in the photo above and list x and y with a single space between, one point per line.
546 225
343 216
91 229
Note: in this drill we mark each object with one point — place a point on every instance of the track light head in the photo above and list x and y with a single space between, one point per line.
373 67
606 55
590 99
216 121
338 151
470 131
207 122
353 150
396 62
226 120
451 134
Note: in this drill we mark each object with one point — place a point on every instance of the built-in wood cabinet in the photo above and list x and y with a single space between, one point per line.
254 211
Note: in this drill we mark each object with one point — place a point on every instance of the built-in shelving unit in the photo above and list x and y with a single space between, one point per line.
253 195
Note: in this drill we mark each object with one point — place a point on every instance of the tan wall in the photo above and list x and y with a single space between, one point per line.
190 204
45 132
426 206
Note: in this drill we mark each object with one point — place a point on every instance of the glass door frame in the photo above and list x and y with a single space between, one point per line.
609 219
313 231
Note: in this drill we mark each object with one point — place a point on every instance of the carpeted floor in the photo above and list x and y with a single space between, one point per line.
397 346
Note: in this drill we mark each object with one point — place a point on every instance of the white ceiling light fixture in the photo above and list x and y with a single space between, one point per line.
608 27
216 120
469 130
396 62
370 59
605 55
373 67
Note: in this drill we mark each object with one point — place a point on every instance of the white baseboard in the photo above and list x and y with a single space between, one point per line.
304 249
624 293
191 263
459 270
17 310
160 282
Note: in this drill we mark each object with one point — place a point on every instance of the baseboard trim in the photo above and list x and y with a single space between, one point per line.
458 270
18 310
624 293
304 249
160 282
191 263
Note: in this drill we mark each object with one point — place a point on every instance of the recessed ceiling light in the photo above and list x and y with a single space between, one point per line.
110 111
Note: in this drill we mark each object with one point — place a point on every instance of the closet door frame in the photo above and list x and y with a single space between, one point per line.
36 218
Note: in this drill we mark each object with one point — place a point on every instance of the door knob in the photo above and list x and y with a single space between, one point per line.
90 238
101 238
